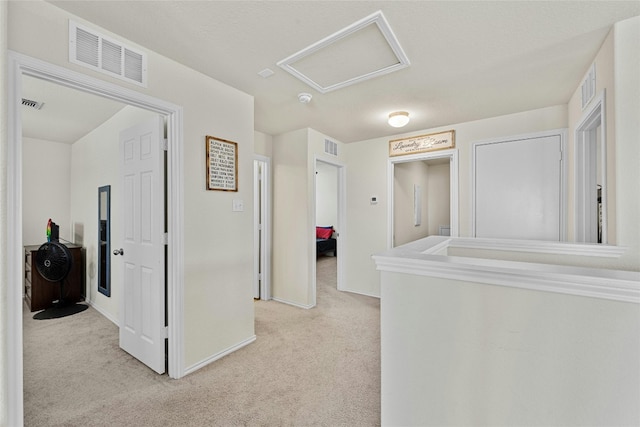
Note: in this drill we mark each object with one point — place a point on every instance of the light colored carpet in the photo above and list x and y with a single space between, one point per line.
318 367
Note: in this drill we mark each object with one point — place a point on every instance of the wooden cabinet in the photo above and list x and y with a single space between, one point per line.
39 293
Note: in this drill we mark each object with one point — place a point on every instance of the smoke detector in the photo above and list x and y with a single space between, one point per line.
304 97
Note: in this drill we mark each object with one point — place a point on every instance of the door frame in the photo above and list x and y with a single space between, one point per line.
262 216
18 65
340 227
585 175
452 155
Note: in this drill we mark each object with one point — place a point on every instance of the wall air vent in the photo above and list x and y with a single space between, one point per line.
330 147
101 53
588 87
32 104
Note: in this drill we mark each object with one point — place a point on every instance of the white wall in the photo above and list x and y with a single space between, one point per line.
406 176
439 197
291 226
218 243
367 176
294 158
627 151
5 323
95 162
460 353
263 144
46 179
326 195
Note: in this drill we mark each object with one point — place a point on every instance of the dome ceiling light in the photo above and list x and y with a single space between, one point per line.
398 119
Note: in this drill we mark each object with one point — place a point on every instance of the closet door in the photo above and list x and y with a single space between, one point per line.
518 188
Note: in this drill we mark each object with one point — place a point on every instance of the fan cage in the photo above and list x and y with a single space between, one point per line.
53 261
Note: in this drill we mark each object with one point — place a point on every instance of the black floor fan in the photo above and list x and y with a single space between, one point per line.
54 261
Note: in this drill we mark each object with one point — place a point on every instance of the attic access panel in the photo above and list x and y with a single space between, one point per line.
366 49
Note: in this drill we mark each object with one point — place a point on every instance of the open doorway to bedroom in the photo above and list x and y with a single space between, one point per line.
76 149
329 184
19 67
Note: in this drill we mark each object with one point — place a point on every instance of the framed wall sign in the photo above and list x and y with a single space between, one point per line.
422 143
222 164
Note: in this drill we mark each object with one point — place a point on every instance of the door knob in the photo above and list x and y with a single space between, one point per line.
118 252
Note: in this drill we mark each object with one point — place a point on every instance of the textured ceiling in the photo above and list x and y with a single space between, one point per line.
64 116
469 60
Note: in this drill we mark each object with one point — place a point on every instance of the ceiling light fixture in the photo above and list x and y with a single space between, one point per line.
398 119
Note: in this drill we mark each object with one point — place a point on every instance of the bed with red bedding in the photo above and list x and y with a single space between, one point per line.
325 242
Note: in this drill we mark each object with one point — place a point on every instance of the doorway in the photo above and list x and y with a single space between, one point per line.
591 175
19 65
262 227
328 214
423 190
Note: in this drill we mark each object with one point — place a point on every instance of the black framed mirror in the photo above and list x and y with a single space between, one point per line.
104 240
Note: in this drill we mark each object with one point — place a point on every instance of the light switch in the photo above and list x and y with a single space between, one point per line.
238 205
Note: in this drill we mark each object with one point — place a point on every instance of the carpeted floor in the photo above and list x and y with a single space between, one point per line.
318 367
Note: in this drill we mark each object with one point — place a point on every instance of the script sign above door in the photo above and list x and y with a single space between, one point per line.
422 143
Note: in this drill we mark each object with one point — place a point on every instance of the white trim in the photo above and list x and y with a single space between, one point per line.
416 258
562 133
219 355
257 255
265 282
582 168
453 188
538 246
295 304
19 64
340 227
376 18
364 294
14 364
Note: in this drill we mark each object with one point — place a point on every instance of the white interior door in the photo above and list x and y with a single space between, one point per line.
142 303
518 188
262 241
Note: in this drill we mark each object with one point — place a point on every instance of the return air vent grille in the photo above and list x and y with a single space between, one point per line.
32 104
589 86
98 52
330 147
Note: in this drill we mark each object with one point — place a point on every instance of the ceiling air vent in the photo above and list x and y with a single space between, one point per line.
98 52
589 86
330 147
32 104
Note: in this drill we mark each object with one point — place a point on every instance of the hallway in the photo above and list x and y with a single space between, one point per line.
307 367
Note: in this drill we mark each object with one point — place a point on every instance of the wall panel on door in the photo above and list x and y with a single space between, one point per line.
518 188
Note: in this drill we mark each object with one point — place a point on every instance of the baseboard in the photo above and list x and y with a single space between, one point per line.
295 304
359 293
104 313
219 355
